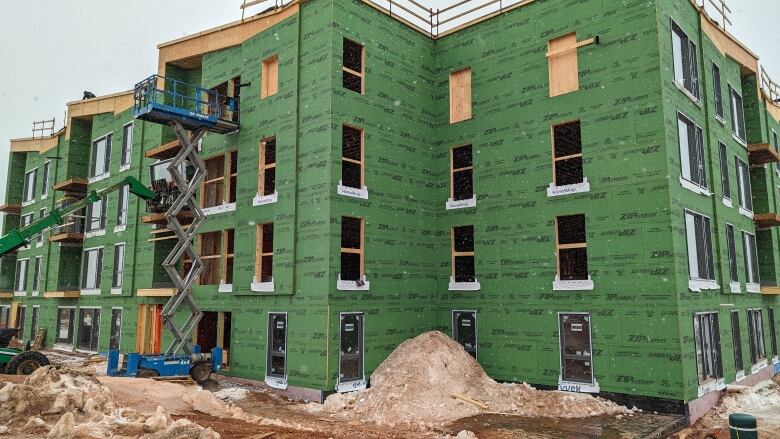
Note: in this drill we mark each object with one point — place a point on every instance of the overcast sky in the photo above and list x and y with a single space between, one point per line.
52 51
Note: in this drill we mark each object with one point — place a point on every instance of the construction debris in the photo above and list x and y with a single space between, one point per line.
431 380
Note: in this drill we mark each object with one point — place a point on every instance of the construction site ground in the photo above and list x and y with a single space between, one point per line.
237 409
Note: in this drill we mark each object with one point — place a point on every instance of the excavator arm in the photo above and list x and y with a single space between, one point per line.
20 237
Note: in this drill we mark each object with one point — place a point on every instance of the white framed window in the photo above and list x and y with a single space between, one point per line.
692 163
725 183
91 269
744 188
96 215
718 91
117 277
127 145
30 180
45 179
101 156
731 247
40 237
706 334
20 280
751 262
701 267
686 70
121 213
736 340
756 336
66 316
737 115
37 267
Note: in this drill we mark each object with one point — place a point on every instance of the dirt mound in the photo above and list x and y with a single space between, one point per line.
71 404
431 380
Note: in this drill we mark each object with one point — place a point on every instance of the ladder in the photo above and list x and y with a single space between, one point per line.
187 156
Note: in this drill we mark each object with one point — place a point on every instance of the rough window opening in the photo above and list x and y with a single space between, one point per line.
5 316
96 215
352 157
267 177
751 258
33 322
233 181
463 255
65 322
89 329
20 283
211 254
572 247
30 180
21 311
743 185
353 66
756 335
214 182
737 114
462 179
718 89
101 156
117 278
264 264
218 101
776 145
567 154
234 90
36 286
45 179
732 253
772 331
724 171
115 329
686 70
736 339
127 144
691 151
91 269
352 253
276 365
460 95
706 335
213 331
699 242
270 77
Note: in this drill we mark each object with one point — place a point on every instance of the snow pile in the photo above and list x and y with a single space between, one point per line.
70 404
431 380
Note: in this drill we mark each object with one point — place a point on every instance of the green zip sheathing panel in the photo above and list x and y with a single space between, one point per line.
641 306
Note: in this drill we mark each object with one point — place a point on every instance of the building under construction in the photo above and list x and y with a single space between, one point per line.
584 194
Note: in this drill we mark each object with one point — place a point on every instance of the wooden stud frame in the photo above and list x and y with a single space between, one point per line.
227 255
453 169
559 246
361 74
555 159
270 77
460 95
359 251
362 160
455 253
263 166
259 253
226 177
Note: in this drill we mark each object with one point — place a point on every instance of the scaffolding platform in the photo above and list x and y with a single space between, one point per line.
162 100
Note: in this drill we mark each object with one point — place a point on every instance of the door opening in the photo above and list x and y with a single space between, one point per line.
276 352
464 330
576 353
351 361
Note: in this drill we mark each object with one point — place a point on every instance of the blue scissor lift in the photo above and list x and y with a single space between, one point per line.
185 107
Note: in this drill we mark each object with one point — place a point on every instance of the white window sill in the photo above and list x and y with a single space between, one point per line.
90 292
28 203
352 192
464 286
461 204
276 382
260 200
693 187
351 386
570 386
63 347
121 228
690 95
351 285
44 196
35 293
124 168
735 287
20 293
745 212
720 119
225 288
116 290
727 202
215 210
711 386
753 288
38 244
573 285
98 178
554 191
758 366
95 233
740 141
698 285
740 375
262 287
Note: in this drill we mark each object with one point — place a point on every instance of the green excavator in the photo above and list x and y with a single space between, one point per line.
24 362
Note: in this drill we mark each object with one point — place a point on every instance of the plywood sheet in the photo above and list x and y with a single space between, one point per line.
460 95
562 65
